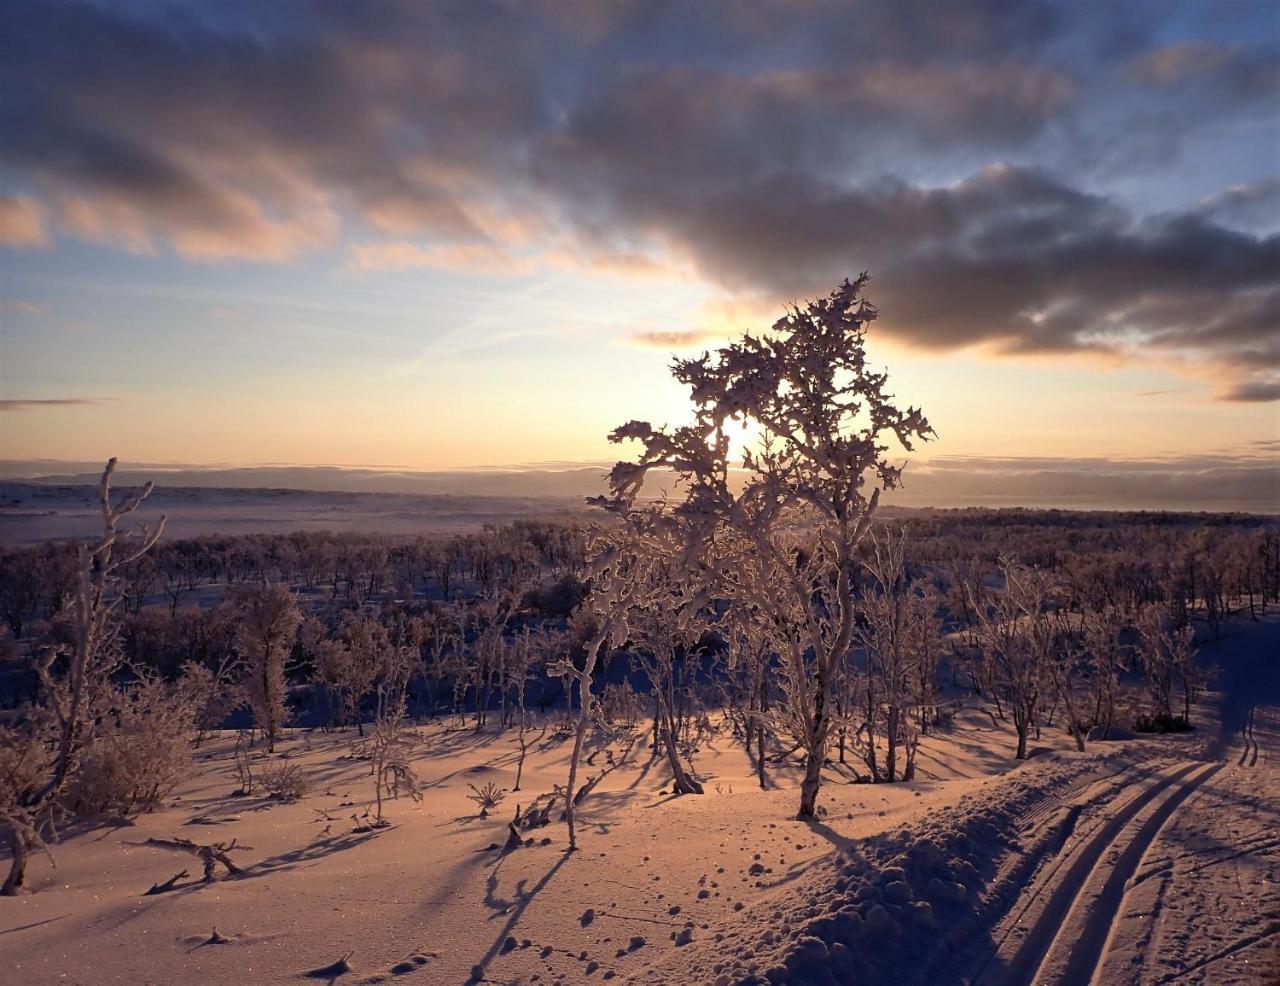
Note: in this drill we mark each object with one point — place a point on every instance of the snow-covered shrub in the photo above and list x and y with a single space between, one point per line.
286 781
140 750
622 705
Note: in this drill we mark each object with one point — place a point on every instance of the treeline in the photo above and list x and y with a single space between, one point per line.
460 604
1042 616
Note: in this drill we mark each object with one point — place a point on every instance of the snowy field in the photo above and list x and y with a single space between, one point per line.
1148 860
31 513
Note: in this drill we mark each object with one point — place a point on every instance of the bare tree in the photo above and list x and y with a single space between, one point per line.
40 755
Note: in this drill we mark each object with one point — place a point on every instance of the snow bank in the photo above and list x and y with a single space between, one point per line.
901 907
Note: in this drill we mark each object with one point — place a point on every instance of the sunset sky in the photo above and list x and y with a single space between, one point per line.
464 234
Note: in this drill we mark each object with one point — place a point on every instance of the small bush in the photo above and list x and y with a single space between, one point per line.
1162 724
487 797
558 599
287 781
140 751
621 705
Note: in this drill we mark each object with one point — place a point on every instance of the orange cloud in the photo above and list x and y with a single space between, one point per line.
461 257
22 222
689 339
1176 63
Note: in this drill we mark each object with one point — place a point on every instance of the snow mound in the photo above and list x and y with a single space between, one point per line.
900 907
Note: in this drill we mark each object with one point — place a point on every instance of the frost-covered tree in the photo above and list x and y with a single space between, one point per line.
269 620
660 610
528 651
748 666
892 695
1106 654
41 751
600 624
781 534
214 693
1011 637
1168 655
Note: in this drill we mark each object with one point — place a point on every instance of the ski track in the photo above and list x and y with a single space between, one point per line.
1078 898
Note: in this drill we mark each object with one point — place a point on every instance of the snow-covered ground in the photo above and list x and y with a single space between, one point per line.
31 513
1144 861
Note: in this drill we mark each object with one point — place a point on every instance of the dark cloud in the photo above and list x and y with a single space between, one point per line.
1253 205
28 405
1257 391
771 146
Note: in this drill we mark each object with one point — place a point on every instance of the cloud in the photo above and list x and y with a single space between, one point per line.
22 222
1253 205
690 339
1198 62
1182 62
768 148
30 405
1256 391
476 258
1009 257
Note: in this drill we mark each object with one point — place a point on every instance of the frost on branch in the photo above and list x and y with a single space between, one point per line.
777 539
42 750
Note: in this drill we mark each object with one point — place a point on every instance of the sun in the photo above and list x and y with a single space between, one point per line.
743 435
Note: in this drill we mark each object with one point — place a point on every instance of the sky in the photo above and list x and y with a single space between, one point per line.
440 235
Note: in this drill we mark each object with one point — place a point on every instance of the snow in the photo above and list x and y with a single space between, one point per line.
1159 854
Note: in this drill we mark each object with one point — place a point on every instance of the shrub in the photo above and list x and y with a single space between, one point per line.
140 751
621 705
487 797
558 599
286 781
1162 723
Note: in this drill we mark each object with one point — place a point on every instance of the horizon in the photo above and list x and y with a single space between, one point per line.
1244 482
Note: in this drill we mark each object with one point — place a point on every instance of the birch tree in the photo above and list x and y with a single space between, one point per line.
781 533
41 753
269 620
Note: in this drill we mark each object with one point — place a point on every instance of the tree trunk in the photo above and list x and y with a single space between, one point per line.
14 884
760 753
809 786
584 719
681 782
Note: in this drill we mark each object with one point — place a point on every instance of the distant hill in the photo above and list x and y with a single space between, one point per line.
1248 481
